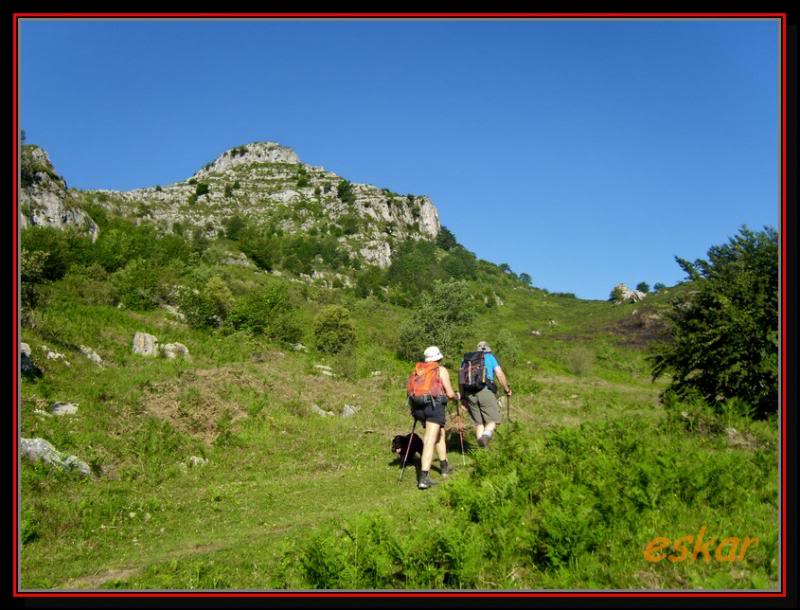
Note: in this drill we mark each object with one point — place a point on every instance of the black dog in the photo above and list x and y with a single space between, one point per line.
400 445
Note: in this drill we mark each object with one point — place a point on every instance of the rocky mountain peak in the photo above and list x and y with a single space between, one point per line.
247 154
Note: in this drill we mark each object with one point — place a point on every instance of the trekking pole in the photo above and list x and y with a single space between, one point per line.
508 408
461 435
460 426
408 448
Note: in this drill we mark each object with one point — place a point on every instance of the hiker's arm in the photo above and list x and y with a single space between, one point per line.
501 377
444 375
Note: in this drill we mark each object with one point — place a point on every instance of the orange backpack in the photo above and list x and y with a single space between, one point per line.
424 381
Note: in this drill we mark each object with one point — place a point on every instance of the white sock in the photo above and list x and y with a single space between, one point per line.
488 433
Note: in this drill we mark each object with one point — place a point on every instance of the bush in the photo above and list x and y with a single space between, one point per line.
507 347
200 190
725 333
643 287
441 318
334 331
345 191
234 227
268 312
90 285
617 295
208 307
138 284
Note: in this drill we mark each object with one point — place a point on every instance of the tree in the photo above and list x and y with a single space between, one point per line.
725 333
617 295
442 317
445 239
526 279
658 286
643 287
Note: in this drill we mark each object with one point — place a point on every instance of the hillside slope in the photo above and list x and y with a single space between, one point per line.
259 460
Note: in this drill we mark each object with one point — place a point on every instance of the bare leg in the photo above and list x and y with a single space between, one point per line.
430 439
441 446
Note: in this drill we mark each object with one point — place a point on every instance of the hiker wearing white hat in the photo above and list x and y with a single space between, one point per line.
428 390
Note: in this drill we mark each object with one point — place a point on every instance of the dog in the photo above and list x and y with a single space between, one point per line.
400 445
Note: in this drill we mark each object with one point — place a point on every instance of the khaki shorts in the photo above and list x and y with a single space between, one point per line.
483 407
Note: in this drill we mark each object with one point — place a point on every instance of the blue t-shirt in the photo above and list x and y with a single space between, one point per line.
489 361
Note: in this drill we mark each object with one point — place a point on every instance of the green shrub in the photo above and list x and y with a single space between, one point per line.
89 285
268 312
725 332
138 284
507 347
334 331
206 307
345 191
201 189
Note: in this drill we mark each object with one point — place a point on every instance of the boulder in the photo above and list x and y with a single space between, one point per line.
349 410
145 345
196 461
38 449
64 408
91 355
628 295
318 411
51 355
26 365
175 350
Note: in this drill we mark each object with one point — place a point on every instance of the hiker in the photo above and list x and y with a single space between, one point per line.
429 389
480 395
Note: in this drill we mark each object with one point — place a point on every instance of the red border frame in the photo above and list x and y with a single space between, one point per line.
421 16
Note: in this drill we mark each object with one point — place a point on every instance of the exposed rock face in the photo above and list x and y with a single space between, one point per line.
627 294
43 196
145 345
38 449
265 182
257 152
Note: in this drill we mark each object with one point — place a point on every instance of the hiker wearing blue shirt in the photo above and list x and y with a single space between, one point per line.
482 406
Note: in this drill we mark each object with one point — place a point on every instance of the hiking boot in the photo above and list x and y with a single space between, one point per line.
483 441
425 483
446 470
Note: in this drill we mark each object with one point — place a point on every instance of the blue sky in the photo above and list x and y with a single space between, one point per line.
583 152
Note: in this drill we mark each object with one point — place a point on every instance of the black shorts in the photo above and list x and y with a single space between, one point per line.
434 411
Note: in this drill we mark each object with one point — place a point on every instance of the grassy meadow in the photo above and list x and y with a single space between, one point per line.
591 468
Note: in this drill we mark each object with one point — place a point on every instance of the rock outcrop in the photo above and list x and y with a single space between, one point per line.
43 195
38 449
145 344
624 294
267 182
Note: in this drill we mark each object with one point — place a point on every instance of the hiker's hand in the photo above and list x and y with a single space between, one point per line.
509 392
461 408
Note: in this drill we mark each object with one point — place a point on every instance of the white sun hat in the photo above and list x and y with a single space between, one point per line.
432 354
